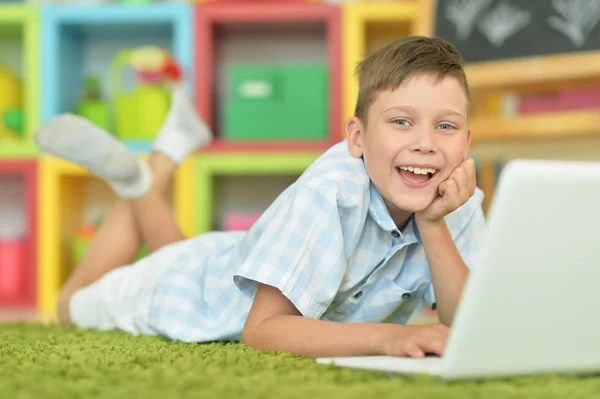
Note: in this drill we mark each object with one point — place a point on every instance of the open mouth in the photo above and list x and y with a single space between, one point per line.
416 176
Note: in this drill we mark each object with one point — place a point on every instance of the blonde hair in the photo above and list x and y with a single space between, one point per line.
388 67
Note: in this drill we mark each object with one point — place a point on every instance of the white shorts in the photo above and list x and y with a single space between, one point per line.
120 300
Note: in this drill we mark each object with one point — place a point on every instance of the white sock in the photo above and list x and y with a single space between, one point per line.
77 140
183 131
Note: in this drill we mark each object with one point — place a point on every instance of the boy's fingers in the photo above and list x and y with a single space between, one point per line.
413 350
462 182
443 187
435 345
452 193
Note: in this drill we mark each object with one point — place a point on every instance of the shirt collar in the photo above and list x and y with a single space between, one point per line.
456 221
382 217
379 211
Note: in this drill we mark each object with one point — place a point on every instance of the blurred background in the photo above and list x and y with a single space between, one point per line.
274 79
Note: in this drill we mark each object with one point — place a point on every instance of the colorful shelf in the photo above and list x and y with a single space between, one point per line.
543 126
213 18
19 256
536 73
208 167
82 40
368 26
19 27
63 189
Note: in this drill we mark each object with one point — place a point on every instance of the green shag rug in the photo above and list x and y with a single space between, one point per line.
51 362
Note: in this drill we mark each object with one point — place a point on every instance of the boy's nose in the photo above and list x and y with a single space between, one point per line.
423 140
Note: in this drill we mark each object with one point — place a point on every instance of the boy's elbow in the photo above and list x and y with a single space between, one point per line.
252 336
248 336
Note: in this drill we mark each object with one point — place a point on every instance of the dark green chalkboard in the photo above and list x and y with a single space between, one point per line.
531 27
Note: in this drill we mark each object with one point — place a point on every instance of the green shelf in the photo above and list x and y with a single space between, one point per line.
209 166
20 22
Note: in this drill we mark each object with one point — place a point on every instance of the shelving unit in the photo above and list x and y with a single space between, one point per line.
78 41
19 54
73 199
228 34
53 48
18 233
250 169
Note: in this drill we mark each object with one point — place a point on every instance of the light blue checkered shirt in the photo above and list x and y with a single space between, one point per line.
327 242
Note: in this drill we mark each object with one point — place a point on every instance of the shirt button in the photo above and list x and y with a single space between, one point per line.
406 296
358 294
395 234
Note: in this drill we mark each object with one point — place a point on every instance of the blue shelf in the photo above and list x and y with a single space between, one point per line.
82 40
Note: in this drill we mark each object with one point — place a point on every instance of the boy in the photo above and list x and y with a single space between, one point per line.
336 265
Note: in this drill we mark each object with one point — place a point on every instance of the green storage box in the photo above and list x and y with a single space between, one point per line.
279 102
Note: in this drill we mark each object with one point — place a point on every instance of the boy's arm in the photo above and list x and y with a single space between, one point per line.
274 323
447 267
448 270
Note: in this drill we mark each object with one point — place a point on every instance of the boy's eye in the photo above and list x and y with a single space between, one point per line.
401 122
446 126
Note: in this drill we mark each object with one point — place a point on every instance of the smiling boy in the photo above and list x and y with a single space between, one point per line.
336 265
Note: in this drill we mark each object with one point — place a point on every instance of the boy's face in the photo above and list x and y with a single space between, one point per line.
422 124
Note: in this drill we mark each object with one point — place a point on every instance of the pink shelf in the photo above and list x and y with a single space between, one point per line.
564 101
212 16
18 287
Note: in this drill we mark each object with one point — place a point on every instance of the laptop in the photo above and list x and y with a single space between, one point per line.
532 303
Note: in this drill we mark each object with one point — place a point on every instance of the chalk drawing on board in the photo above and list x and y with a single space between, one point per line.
502 22
465 14
579 18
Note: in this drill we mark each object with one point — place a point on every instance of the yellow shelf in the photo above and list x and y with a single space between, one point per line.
535 73
367 26
61 188
543 126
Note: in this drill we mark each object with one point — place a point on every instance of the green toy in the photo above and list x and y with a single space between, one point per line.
92 107
140 113
14 120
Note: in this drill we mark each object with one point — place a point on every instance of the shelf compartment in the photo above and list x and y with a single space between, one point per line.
217 175
82 41
18 234
226 35
19 58
367 27
555 125
535 73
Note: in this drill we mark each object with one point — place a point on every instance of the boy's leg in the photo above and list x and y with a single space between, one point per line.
131 222
143 215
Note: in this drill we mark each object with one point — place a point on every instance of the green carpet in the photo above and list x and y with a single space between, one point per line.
51 362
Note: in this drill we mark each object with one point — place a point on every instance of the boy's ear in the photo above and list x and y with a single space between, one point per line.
469 137
354 133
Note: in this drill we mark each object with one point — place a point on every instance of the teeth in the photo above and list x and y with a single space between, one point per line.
418 171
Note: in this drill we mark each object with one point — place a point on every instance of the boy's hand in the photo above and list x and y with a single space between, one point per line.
413 341
453 192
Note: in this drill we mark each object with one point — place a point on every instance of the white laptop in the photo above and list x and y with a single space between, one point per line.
532 304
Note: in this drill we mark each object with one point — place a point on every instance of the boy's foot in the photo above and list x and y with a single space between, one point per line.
183 131
77 140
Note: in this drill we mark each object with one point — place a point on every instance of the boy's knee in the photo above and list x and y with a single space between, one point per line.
63 307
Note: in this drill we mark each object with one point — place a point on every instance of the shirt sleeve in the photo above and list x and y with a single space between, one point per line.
299 249
469 241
